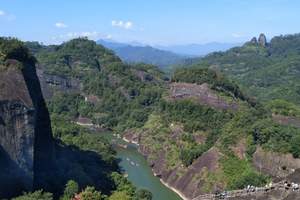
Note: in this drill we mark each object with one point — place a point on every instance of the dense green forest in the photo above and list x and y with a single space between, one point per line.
125 91
136 97
266 72
85 162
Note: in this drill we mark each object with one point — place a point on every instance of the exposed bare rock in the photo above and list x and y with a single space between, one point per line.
200 139
16 133
132 136
287 120
262 40
26 143
93 99
202 93
253 40
51 83
84 121
189 181
275 164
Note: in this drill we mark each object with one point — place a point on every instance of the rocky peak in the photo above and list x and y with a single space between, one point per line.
262 40
26 143
253 40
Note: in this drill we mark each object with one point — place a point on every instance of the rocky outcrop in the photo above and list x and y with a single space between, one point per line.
202 93
26 143
16 134
52 83
275 164
253 40
262 40
189 182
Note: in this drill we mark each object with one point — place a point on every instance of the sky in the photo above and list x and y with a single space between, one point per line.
154 22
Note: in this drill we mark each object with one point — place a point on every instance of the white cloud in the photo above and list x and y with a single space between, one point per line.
92 35
71 35
108 36
7 16
2 13
122 24
60 25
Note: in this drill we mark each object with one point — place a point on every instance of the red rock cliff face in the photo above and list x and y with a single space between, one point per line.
26 144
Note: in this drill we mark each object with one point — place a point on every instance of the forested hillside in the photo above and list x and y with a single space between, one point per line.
269 71
208 128
198 124
83 161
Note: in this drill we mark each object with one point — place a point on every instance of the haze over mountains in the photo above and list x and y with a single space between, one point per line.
198 49
189 50
204 122
162 56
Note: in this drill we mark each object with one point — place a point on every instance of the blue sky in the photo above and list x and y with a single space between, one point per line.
148 21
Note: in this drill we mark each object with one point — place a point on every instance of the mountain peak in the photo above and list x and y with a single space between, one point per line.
262 40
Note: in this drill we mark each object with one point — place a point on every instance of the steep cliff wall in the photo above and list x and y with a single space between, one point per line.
52 83
26 144
16 133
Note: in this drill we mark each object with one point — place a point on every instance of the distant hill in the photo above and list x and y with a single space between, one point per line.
164 56
143 54
199 49
267 70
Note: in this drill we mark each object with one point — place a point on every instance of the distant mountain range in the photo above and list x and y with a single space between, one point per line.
198 49
146 54
162 56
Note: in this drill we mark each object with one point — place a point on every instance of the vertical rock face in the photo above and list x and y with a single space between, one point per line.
16 133
262 40
26 144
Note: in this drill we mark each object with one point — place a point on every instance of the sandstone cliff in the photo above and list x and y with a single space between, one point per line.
26 144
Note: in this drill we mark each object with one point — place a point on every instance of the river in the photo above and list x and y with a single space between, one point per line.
140 174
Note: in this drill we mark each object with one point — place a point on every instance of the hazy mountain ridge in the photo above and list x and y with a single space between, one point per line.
194 50
143 54
163 56
199 124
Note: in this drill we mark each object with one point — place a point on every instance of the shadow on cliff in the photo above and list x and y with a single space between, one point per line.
10 176
87 168
43 141
56 163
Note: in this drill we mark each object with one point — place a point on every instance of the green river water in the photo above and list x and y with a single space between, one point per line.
140 174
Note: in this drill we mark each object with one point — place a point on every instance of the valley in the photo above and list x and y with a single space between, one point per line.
201 131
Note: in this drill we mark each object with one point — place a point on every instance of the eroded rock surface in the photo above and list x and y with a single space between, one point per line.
26 143
275 164
201 93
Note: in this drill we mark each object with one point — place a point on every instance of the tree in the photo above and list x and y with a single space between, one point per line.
37 195
143 194
70 190
119 196
90 193
295 146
